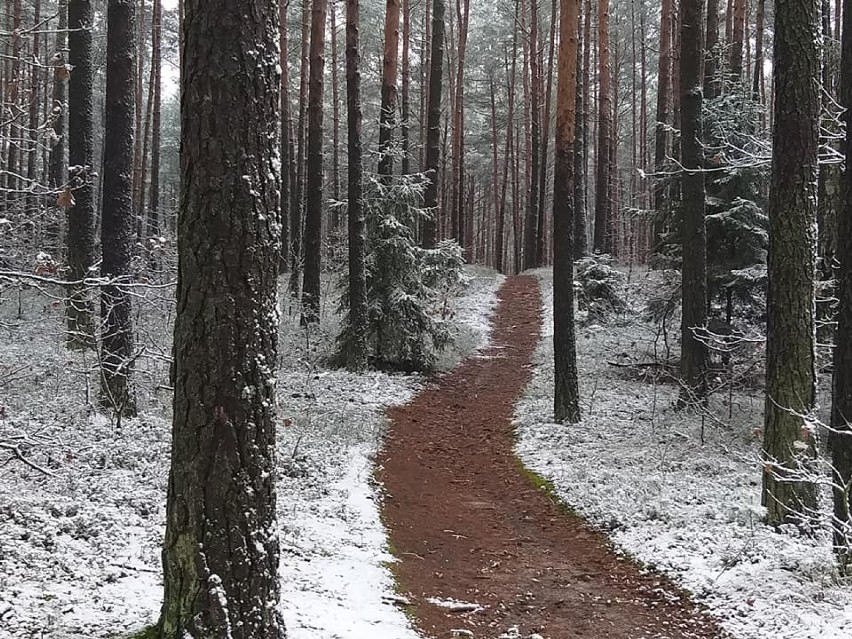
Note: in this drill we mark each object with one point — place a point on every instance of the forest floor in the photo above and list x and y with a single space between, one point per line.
482 546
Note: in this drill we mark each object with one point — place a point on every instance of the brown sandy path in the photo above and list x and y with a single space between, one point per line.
467 523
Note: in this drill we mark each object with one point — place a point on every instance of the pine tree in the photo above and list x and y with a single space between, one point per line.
566 404
433 124
220 555
790 298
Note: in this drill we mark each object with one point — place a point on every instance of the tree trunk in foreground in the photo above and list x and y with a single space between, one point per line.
220 555
840 437
790 380
566 403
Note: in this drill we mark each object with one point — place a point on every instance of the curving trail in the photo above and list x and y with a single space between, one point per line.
468 524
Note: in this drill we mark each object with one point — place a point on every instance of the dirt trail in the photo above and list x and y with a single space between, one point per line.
468 524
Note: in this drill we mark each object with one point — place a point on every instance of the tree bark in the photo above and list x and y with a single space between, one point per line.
387 117
335 113
661 135
79 308
156 74
117 227
358 311
603 240
840 435
286 138
531 221
735 64
58 150
541 230
298 176
694 353
433 124
790 299
406 87
566 404
580 243
314 182
758 87
220 554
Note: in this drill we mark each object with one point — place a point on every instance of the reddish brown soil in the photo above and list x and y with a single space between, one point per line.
467 523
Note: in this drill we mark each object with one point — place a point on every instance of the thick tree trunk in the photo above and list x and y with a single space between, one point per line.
694 354
603 180
433 124
387 117
790 299
79 308
314 182
566 403
117 227
356 356
220 555
840 436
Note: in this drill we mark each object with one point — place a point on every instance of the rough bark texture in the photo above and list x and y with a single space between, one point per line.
790 298
603 240
117 220
79 308
220 555
433 123
314 181
356 356
387 118
840 438
694 354
566 403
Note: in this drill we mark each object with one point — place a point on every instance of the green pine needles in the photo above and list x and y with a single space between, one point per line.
408 287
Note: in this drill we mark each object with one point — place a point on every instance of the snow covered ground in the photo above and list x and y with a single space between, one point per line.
80 542
637 468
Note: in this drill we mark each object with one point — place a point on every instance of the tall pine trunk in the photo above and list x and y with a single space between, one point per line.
566 402
840 436
581 243
156 74
694 353
314 181
406 87
117 220
433 124
298 176
220 554
661 135
286 138
387 118
604 232
790 380
79 308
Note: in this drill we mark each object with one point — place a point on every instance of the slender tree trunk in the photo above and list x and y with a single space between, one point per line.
335 113
661 137
587 118
59 149
156 74
735 64
286 138
117 228
545 137
16 131
36 81
79 309
840 435
357 346
298 202
139 104
426 59
531 256
790 380
694 353
580 243
711 66
566 403
433 123
495 193
387 118
458 177
603 202
314 182
406 87
220 554
758 87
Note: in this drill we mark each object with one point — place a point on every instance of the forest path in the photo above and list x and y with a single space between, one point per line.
468 524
